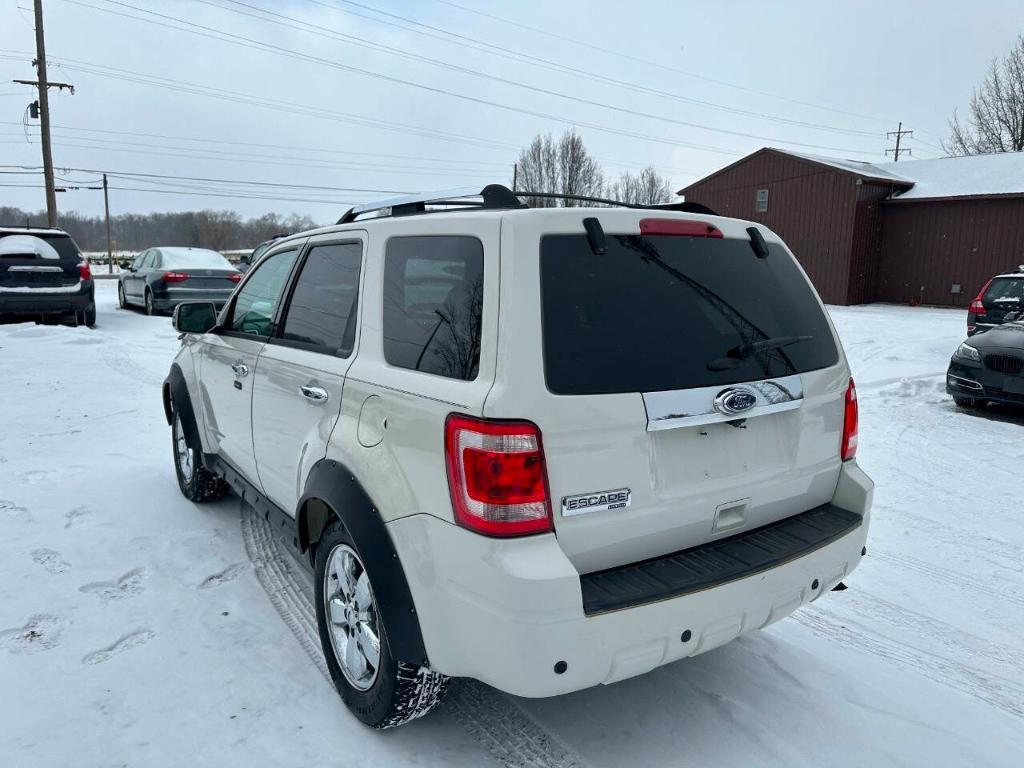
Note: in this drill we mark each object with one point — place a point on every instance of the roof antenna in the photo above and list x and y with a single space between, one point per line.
757 243
595 236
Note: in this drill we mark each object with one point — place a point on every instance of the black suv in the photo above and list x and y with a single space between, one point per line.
1001 295
43 275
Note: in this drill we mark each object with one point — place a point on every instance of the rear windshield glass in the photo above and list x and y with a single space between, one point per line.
661 313
38 246
1009 289
193 258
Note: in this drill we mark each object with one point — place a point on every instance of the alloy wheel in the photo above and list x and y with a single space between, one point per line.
352 618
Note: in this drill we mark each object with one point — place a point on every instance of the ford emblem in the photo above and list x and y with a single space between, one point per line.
735 401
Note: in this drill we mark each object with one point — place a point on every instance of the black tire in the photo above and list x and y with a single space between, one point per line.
150 309
401 691
196 482
968 402
89 316
122 302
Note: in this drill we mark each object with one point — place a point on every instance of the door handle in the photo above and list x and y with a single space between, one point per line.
240 369
316 394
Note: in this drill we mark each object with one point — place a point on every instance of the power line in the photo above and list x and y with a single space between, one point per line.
648 62
252 43
464 41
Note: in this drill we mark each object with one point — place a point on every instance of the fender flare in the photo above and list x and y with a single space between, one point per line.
333 491
176 399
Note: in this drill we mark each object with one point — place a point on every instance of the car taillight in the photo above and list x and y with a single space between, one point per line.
84 273
175 277
849 447
234 277
976 306
496 476
679 227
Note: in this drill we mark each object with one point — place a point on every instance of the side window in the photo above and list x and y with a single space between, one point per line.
153 260
141 262
433 304
322 309
254 306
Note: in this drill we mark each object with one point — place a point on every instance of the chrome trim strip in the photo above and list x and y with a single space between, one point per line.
25 268
966 383
696 407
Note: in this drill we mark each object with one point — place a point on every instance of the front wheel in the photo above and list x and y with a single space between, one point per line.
121 302
195 481
380 690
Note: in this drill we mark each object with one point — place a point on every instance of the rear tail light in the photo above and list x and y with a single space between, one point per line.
84 272
175 277
976 306
496 475
684 227
849 447
234 277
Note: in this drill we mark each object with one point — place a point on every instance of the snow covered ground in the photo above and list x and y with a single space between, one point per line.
139 629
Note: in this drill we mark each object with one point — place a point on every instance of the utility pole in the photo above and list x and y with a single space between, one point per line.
515 176
44 116
899 133
106 210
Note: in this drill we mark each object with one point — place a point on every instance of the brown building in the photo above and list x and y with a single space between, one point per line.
931 231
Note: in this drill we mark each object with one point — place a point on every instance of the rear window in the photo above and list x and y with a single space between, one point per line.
38 246
1005 289
660 313
194 258
433 304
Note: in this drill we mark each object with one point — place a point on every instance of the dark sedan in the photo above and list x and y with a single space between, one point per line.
161 278
989 367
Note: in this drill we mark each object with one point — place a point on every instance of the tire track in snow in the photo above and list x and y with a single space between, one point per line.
511 736
989 688
971 586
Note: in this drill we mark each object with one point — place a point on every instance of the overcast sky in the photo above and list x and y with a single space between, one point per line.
319 112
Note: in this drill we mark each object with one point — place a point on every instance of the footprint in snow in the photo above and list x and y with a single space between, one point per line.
125 643
228 574
12 509
128 585
50 560
72 517
40 633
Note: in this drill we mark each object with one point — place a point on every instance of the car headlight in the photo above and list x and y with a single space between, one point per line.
967 352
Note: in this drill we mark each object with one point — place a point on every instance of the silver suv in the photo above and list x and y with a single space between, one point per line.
544 448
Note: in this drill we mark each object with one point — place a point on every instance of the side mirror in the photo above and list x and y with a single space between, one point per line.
195 317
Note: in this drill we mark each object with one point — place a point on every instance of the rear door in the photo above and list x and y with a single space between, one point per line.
228 360
1004 294
37 260
642 352
300 373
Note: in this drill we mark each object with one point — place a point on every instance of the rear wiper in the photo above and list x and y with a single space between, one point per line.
743 351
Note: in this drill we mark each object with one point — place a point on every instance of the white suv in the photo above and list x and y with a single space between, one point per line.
543 448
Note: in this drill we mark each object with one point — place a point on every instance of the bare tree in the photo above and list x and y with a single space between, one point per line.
563 167
996 121
647 188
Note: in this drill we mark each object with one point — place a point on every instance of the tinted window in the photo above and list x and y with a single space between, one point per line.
322 309
254 306
1008 289
660 313
433 302
38 245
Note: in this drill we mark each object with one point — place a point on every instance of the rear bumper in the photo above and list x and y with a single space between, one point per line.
506 612
172 297
43 302
977 381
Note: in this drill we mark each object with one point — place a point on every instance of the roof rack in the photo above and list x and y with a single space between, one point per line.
494 197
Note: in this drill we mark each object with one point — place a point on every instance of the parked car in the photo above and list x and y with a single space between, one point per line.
43 275
989 366
545 449
161 278
249 259
1000 295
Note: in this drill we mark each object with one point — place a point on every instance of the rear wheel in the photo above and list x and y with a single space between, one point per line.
968 402
88 316
380 690
150 309
196 482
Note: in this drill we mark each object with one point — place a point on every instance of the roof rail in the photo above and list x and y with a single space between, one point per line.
495 197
